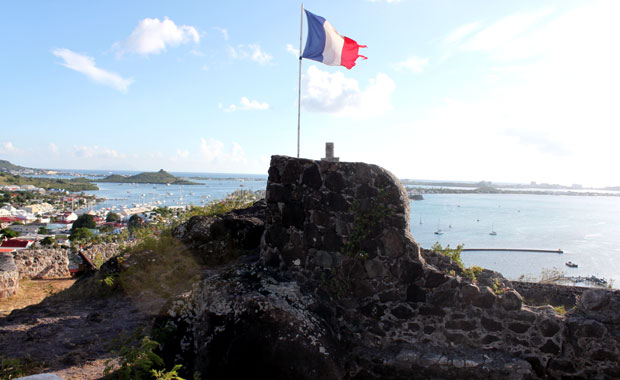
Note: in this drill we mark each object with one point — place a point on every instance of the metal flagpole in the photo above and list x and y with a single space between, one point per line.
301 30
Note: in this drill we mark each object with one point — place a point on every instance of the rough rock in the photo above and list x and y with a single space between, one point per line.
219 239
341 290
9 276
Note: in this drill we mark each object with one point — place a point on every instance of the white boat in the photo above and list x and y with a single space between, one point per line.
571 264
439 231
493 233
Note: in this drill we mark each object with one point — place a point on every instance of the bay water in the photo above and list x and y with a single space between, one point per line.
586 228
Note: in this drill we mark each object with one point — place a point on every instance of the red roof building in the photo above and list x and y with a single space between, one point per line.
16 244
10 219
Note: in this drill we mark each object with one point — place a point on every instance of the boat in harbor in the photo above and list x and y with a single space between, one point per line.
571 264
439 231
492 233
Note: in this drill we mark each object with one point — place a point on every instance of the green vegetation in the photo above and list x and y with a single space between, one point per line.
498 288
84 221
160 177
72 185
138 360
112 217
560 309
11 368
81 234
472 272
135 223
455 255
9 233
4 164
238 199
48 241
367 219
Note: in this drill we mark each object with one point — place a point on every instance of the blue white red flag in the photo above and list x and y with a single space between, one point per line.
325 45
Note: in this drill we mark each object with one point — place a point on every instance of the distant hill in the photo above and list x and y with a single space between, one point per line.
6 166
148 177
73 185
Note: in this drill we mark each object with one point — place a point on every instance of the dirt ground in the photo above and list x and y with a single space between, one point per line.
68 336
31 292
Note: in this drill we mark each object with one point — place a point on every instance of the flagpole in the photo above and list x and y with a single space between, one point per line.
301 30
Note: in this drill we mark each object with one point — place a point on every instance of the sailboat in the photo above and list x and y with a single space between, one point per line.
492 231
439 230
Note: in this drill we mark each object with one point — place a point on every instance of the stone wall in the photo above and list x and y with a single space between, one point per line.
342 284
42 263
550 294
9 276
45 263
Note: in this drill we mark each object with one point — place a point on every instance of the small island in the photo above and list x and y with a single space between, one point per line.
160 177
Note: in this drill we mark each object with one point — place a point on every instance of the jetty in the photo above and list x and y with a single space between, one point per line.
559 251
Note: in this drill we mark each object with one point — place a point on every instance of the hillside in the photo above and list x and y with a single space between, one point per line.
6 166
73 185
160 177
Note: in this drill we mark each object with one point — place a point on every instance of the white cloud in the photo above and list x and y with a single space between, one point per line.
95 151
341 96
252 52
461 32
7 148
86 65
386 1
413 64
204 67
223 32
152 36
291 49
248 104
53 148
214 151
182 154
504 31
245 104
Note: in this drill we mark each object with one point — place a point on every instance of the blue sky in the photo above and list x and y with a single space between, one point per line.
477 90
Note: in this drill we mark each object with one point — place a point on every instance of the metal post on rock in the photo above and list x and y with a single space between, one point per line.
301 30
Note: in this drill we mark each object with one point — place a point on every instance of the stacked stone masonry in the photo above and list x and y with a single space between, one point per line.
9 276
45 263
341 282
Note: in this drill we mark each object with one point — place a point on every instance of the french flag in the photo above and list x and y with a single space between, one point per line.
324 44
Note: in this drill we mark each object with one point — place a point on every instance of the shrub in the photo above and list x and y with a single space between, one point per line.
453 253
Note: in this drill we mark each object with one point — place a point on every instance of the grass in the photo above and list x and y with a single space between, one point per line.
11 368
32 292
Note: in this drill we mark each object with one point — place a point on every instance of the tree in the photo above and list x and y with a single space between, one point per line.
135 222
84 221
9 233
48 241
82 234
112 217
43 231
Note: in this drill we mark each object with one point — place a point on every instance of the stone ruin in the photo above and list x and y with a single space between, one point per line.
337 288
43 263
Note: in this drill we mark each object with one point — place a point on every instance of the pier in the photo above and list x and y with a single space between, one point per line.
558 251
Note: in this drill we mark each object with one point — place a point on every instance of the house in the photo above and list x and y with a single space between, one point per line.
39 208
66 217
17 244
7 250
27 229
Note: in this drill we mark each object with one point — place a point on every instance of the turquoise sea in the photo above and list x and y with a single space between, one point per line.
586 228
